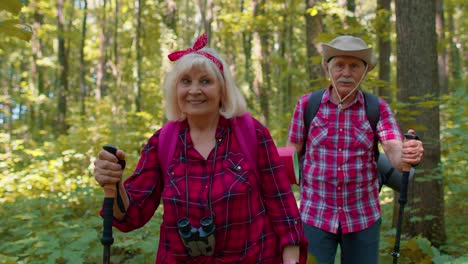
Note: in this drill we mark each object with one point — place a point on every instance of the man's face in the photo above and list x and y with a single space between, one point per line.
346 72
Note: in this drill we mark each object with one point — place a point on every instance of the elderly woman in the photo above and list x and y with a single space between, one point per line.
218 206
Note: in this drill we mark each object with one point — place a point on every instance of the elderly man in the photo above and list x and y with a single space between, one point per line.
339 186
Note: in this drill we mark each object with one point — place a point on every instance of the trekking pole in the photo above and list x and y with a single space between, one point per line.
110 192
402 201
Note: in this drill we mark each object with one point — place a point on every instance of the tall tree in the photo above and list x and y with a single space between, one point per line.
261 41
286 40
82 61
115 63
313 29
247 49
206 12
62 84
138 62
443 57
351 5
103 41
417 77
454 40
36 75
383 27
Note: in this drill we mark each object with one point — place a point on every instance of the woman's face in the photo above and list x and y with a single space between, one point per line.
199 93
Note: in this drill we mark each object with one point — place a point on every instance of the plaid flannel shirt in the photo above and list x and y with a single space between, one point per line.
340 185
255 216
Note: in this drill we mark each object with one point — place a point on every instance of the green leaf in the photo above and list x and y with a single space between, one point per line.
13 28
12 6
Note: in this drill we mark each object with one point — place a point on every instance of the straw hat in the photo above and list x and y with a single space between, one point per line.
348 46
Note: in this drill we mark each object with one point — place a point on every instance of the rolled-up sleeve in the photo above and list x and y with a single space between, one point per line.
279 198
143 187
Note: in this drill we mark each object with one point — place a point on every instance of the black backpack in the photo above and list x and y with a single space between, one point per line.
387 174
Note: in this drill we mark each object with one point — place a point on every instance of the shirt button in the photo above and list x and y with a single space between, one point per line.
339 208
341 130
238 168
339 187
339 169
340 149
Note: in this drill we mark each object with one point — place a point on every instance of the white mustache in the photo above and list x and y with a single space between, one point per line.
344 79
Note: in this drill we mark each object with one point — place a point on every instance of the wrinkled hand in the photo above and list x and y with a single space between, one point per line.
412 151
106 168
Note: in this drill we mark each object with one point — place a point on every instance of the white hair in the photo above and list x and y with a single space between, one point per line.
232 101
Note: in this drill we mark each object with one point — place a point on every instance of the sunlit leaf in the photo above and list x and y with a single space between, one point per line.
15 29
12 6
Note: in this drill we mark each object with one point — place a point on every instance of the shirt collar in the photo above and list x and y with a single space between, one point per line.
223 125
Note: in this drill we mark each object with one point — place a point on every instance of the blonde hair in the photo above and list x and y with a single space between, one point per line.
232 101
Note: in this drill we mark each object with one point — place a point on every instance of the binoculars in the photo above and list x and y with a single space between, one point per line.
198 241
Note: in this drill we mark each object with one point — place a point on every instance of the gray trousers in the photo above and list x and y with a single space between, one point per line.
356 248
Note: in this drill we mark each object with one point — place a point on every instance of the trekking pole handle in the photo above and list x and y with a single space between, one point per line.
113 150
406 166
110 192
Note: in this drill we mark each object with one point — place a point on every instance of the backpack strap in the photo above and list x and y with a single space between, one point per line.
313 104
167 143
373 115
245 132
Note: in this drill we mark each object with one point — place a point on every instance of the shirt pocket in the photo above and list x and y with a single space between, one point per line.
363 136
174 185
233 205
235 181
318 131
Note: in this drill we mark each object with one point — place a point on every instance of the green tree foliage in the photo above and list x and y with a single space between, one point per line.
48 197
10 25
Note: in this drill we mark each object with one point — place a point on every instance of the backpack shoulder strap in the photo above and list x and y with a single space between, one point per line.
373 115
313 104
372 109
167 143
244 130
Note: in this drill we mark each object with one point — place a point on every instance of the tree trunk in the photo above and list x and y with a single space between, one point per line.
101 71
385 47
37 115
417 76
286 40
6 103
313 29
82 62
247 48
206 12
137 70
62 86
351 5
443 58
170 15
456 72
116 69
261 36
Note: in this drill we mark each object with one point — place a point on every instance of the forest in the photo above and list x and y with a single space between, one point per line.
78 74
